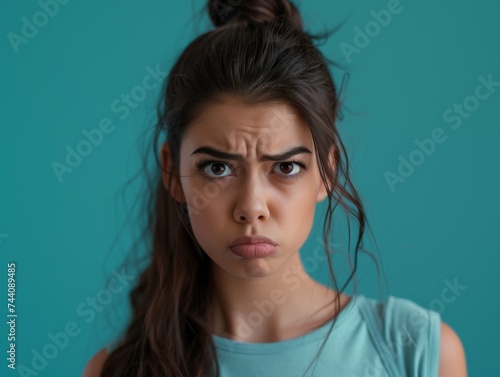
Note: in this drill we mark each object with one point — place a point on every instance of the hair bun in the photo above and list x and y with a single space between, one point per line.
245 12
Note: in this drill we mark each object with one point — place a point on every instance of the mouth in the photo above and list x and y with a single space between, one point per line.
256 250
252 240
253 246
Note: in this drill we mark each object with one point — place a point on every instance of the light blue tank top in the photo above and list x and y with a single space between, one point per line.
371 338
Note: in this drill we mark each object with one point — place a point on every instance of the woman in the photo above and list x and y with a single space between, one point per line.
251 147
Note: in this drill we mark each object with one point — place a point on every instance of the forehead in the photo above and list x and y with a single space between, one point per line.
234 125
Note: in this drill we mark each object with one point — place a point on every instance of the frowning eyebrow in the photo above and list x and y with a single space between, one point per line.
237 157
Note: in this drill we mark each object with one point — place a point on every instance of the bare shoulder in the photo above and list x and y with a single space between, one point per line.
452 355
95 364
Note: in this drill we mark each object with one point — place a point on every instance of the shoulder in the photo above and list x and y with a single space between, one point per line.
401 317
451 354
406 335
95 364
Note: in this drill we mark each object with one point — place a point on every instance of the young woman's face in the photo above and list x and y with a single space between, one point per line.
250 194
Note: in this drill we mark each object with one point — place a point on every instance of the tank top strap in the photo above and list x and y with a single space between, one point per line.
375 328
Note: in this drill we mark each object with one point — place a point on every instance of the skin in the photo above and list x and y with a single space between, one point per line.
255 198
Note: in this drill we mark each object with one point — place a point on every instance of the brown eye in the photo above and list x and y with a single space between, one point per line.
209 169
218 168
290 169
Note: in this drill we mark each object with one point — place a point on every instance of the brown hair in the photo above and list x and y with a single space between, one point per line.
258 52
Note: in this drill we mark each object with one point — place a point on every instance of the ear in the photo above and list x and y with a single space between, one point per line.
175 186
322 193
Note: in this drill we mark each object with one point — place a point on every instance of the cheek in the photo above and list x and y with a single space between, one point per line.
210 226
204 199
207 209
300 218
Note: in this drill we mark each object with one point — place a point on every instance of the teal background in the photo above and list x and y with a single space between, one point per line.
437 226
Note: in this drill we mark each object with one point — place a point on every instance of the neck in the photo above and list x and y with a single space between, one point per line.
277 306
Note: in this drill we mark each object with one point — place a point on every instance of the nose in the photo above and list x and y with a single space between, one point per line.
251 203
